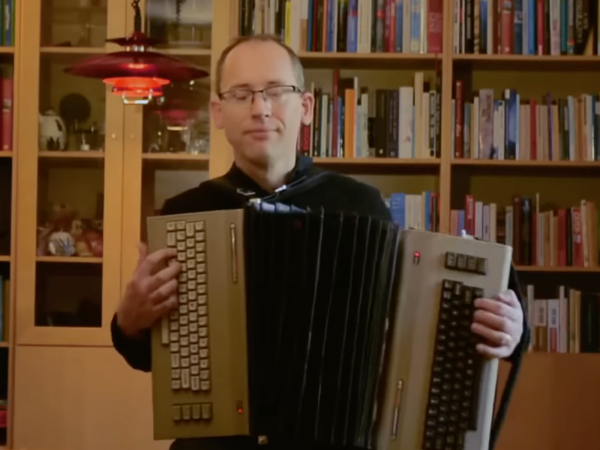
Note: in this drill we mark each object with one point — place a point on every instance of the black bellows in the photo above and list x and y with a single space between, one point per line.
319 293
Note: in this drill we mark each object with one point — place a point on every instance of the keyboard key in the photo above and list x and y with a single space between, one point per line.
207 411
176 412
185 378
186 412
195 409
165 330
189 229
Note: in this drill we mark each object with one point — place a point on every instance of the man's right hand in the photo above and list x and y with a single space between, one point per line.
151 293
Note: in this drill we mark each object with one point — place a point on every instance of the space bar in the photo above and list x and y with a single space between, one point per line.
475 392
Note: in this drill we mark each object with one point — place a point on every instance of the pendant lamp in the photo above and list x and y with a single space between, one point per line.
136 73
181 105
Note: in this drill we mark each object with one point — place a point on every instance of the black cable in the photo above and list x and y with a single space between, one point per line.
137 21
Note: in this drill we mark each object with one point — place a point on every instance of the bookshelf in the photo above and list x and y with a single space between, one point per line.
547 410
67 365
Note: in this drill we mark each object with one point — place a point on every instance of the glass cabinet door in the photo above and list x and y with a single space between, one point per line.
180 24
74 167
168 139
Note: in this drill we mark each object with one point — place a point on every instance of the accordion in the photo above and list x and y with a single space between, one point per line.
323 329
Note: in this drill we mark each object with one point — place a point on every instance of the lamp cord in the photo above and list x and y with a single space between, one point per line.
137 21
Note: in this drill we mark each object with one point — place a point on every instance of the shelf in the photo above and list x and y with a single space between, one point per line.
72 154
175 157
528 62
200 56
6 154
566 269
517 163
7 50
69 259
176 161
323 60
380 165
74 50
5 258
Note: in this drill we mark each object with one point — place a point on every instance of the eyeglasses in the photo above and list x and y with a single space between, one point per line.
273 94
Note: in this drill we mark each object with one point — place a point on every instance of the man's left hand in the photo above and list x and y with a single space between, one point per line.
499 321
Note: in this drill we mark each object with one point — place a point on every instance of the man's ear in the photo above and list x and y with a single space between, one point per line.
308 104
217 111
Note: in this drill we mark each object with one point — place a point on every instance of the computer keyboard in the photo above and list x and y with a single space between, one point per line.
440 391
185 330
194 344
434 391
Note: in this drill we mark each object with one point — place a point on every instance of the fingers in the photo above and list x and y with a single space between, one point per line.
164 276
142 253
152 261
492 336
162 308
508 297
493 352
498 308
493 321
163 292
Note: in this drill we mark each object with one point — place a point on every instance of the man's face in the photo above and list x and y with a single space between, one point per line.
261 130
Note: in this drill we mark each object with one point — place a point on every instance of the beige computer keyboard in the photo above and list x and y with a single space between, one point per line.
196 357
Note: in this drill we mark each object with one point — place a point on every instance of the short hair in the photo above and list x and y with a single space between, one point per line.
296 64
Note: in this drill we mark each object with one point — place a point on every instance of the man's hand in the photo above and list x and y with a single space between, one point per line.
499 321
151 293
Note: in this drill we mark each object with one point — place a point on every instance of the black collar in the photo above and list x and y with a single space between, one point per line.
238 178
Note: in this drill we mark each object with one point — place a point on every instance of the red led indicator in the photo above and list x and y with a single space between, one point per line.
417 254
240 410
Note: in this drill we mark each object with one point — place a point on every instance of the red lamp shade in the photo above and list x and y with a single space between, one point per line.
180 105
136 74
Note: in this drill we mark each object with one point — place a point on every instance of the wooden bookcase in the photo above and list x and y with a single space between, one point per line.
67 387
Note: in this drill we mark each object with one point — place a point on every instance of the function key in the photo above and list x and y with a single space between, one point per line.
471 263
170 226
189 229
481 266
461 262
199 226
180 225
450 260
171 239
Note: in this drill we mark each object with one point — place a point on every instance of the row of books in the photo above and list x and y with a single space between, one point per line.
4 304
561 237
526 27
7 23
569 323
548 129
353 26
419 211
354 121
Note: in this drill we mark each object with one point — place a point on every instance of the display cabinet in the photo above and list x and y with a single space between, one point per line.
70 147
90 169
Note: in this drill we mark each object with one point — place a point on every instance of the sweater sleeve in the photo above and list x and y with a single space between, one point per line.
136 352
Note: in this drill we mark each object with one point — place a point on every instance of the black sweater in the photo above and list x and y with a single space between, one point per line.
337 192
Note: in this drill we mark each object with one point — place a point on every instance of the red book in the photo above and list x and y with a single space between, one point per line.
459 108
435 26
469 215
507 27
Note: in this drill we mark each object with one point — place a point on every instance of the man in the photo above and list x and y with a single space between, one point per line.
261 103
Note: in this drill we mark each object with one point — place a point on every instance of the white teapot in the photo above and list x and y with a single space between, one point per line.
52 131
